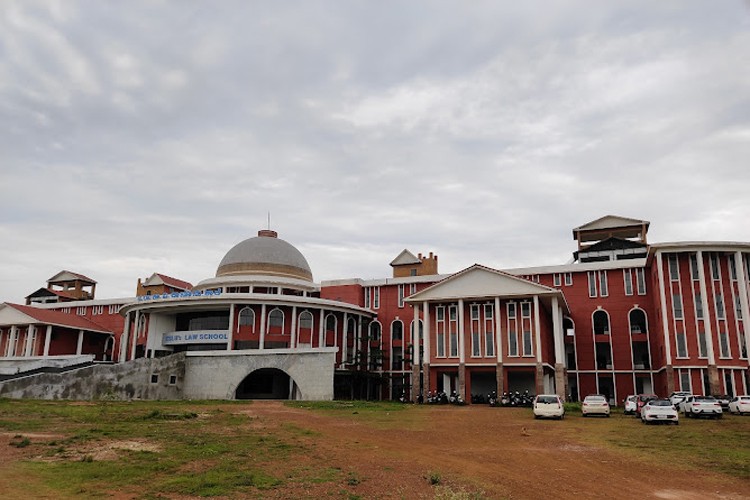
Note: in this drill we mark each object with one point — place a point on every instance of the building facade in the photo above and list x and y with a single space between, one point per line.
623 317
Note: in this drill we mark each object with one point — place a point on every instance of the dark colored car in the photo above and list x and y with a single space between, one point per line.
642 399
724 401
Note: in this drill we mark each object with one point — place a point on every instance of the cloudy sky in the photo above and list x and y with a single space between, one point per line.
141 137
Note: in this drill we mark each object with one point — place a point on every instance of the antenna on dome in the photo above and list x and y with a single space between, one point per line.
269 220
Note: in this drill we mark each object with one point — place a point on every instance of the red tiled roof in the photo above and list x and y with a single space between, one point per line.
52 317
77 275
174 282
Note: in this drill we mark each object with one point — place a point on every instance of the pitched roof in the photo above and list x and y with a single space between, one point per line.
46 292
69 276
57 318
610 222
479 281
159 279
404 258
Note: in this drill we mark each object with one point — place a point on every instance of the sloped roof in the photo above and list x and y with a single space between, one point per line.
611 222
614 243
163 279
479 281
404 258
46 292
69 276
52 317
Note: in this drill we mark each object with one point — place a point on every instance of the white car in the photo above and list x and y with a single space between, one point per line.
549 405
677 397
659 410
595 404
702 406
631 403
740 405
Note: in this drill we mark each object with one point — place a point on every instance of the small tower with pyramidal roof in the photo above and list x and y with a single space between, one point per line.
407 264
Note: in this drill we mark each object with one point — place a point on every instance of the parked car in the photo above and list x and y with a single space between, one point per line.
659 410
723 400
642 399
595 404
702 406
740 405
630 405
678 396
548 405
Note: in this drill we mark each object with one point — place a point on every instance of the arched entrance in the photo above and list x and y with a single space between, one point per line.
266 383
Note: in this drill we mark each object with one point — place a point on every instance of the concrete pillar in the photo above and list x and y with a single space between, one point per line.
136 333
79 347
293 338
559 349
427 344
262 326
744 299
499 369
537 332
539 378
124 339
461 351
47 341
415 359
713 372
232 326
344 341
665 323
29 335
321 329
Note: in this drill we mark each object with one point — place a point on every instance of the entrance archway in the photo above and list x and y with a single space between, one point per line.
265 383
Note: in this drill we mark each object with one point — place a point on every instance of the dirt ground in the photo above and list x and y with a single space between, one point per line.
500 453
468 452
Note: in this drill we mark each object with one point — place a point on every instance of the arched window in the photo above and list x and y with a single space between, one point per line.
375 331
276 322
638 321
304 329
397 330
331 323
142 326
247 317
305 319
421 329
569 328
601 322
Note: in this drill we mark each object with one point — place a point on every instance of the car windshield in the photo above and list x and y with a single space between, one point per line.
745 398
596 399
660 402
546 399
647 397
705 399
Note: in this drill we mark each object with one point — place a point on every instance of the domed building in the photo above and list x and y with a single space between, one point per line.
258 329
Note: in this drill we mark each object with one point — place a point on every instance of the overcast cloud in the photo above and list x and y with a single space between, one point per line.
145 137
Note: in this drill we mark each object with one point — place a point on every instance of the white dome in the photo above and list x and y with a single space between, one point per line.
265 254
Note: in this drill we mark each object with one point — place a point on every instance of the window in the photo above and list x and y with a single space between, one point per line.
375 331
557 279
568 279
397 330
694 271
601 322
527 350
685 380
81 311
720 313
677 305
453 330
368 294
640 275
173 380
702 345
247 317
114 309
698 305
724 344
512 343
525 309
511 310
638 322
401 296
331 323
681 345
737 306
627 275
440 330
306 319
412 289
96 310
154 378
489 335
674 271
592 283
603 289
715 271
732 268
276 320
376 297
476 343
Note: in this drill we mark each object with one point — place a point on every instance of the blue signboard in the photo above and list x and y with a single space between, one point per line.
180 295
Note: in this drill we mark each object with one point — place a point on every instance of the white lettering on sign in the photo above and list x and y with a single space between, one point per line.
182 338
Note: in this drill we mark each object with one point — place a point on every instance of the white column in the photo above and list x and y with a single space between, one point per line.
293 339
344 340
557 331
124 339
10 348
415 337
426 322
664 312
136 332
262 326
230 333
79 347
704 306
498 332
29 334
47 340
461 341
321 329
358 340
744 306
537 330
